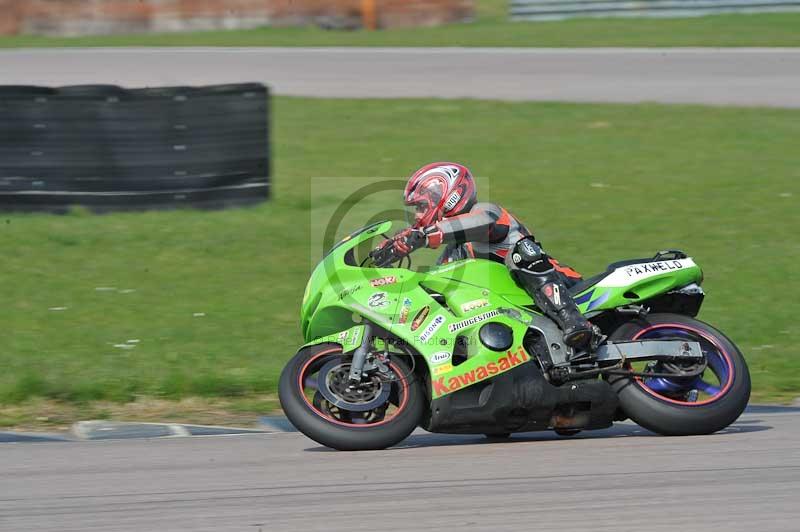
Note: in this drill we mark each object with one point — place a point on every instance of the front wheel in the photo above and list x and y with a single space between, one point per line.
684 406
319 400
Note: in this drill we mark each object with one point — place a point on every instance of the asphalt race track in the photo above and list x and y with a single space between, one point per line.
735 76
746 478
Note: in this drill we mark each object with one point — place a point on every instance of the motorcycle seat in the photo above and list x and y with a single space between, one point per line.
585 284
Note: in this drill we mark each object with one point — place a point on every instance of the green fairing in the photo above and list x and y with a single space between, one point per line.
339 291
349 339
611 297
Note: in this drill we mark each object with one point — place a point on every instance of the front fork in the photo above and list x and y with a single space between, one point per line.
360 354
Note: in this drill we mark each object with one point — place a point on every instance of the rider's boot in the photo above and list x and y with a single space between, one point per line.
555 301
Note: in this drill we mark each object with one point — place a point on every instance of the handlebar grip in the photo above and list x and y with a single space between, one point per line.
384 254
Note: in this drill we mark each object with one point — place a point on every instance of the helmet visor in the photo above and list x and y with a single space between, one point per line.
426 203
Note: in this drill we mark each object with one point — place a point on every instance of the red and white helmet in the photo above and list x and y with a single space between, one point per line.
438 190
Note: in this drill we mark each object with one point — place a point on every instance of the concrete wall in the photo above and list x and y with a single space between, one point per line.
93 17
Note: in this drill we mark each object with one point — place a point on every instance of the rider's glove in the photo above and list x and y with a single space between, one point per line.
412 238
405 242
433 236
408 240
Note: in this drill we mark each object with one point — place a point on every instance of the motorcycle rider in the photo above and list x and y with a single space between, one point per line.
444 197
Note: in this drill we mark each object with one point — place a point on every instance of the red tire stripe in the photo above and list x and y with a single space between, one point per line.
400 408
702 334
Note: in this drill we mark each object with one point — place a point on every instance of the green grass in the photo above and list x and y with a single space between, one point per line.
597 183
491 28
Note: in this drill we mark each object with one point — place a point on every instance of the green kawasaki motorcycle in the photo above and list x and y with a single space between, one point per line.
461 348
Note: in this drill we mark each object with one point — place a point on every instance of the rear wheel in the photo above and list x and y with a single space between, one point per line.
684 405
319 400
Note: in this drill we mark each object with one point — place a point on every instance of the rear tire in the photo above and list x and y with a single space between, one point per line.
342 436
671 416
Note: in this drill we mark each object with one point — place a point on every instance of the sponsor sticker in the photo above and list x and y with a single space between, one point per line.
349 291
510 360
516 258
472 305
421 316
472 321
383 281
444 368
553 293
432 327
556 295
653 267
378 300
625 275
452 200
440 357
349 337
404 311
528 247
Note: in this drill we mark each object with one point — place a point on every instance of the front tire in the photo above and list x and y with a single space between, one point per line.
674 407
498 436
389 422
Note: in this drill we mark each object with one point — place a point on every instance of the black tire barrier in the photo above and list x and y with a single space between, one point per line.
108 148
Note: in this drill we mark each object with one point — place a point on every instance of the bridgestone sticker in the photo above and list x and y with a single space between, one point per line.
472 321
431 328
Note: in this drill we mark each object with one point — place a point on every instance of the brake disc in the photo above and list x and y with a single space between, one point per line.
334 384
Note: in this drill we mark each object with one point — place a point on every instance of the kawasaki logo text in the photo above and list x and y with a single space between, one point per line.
510 360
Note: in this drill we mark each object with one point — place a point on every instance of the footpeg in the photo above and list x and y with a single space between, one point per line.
588 355
581 356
